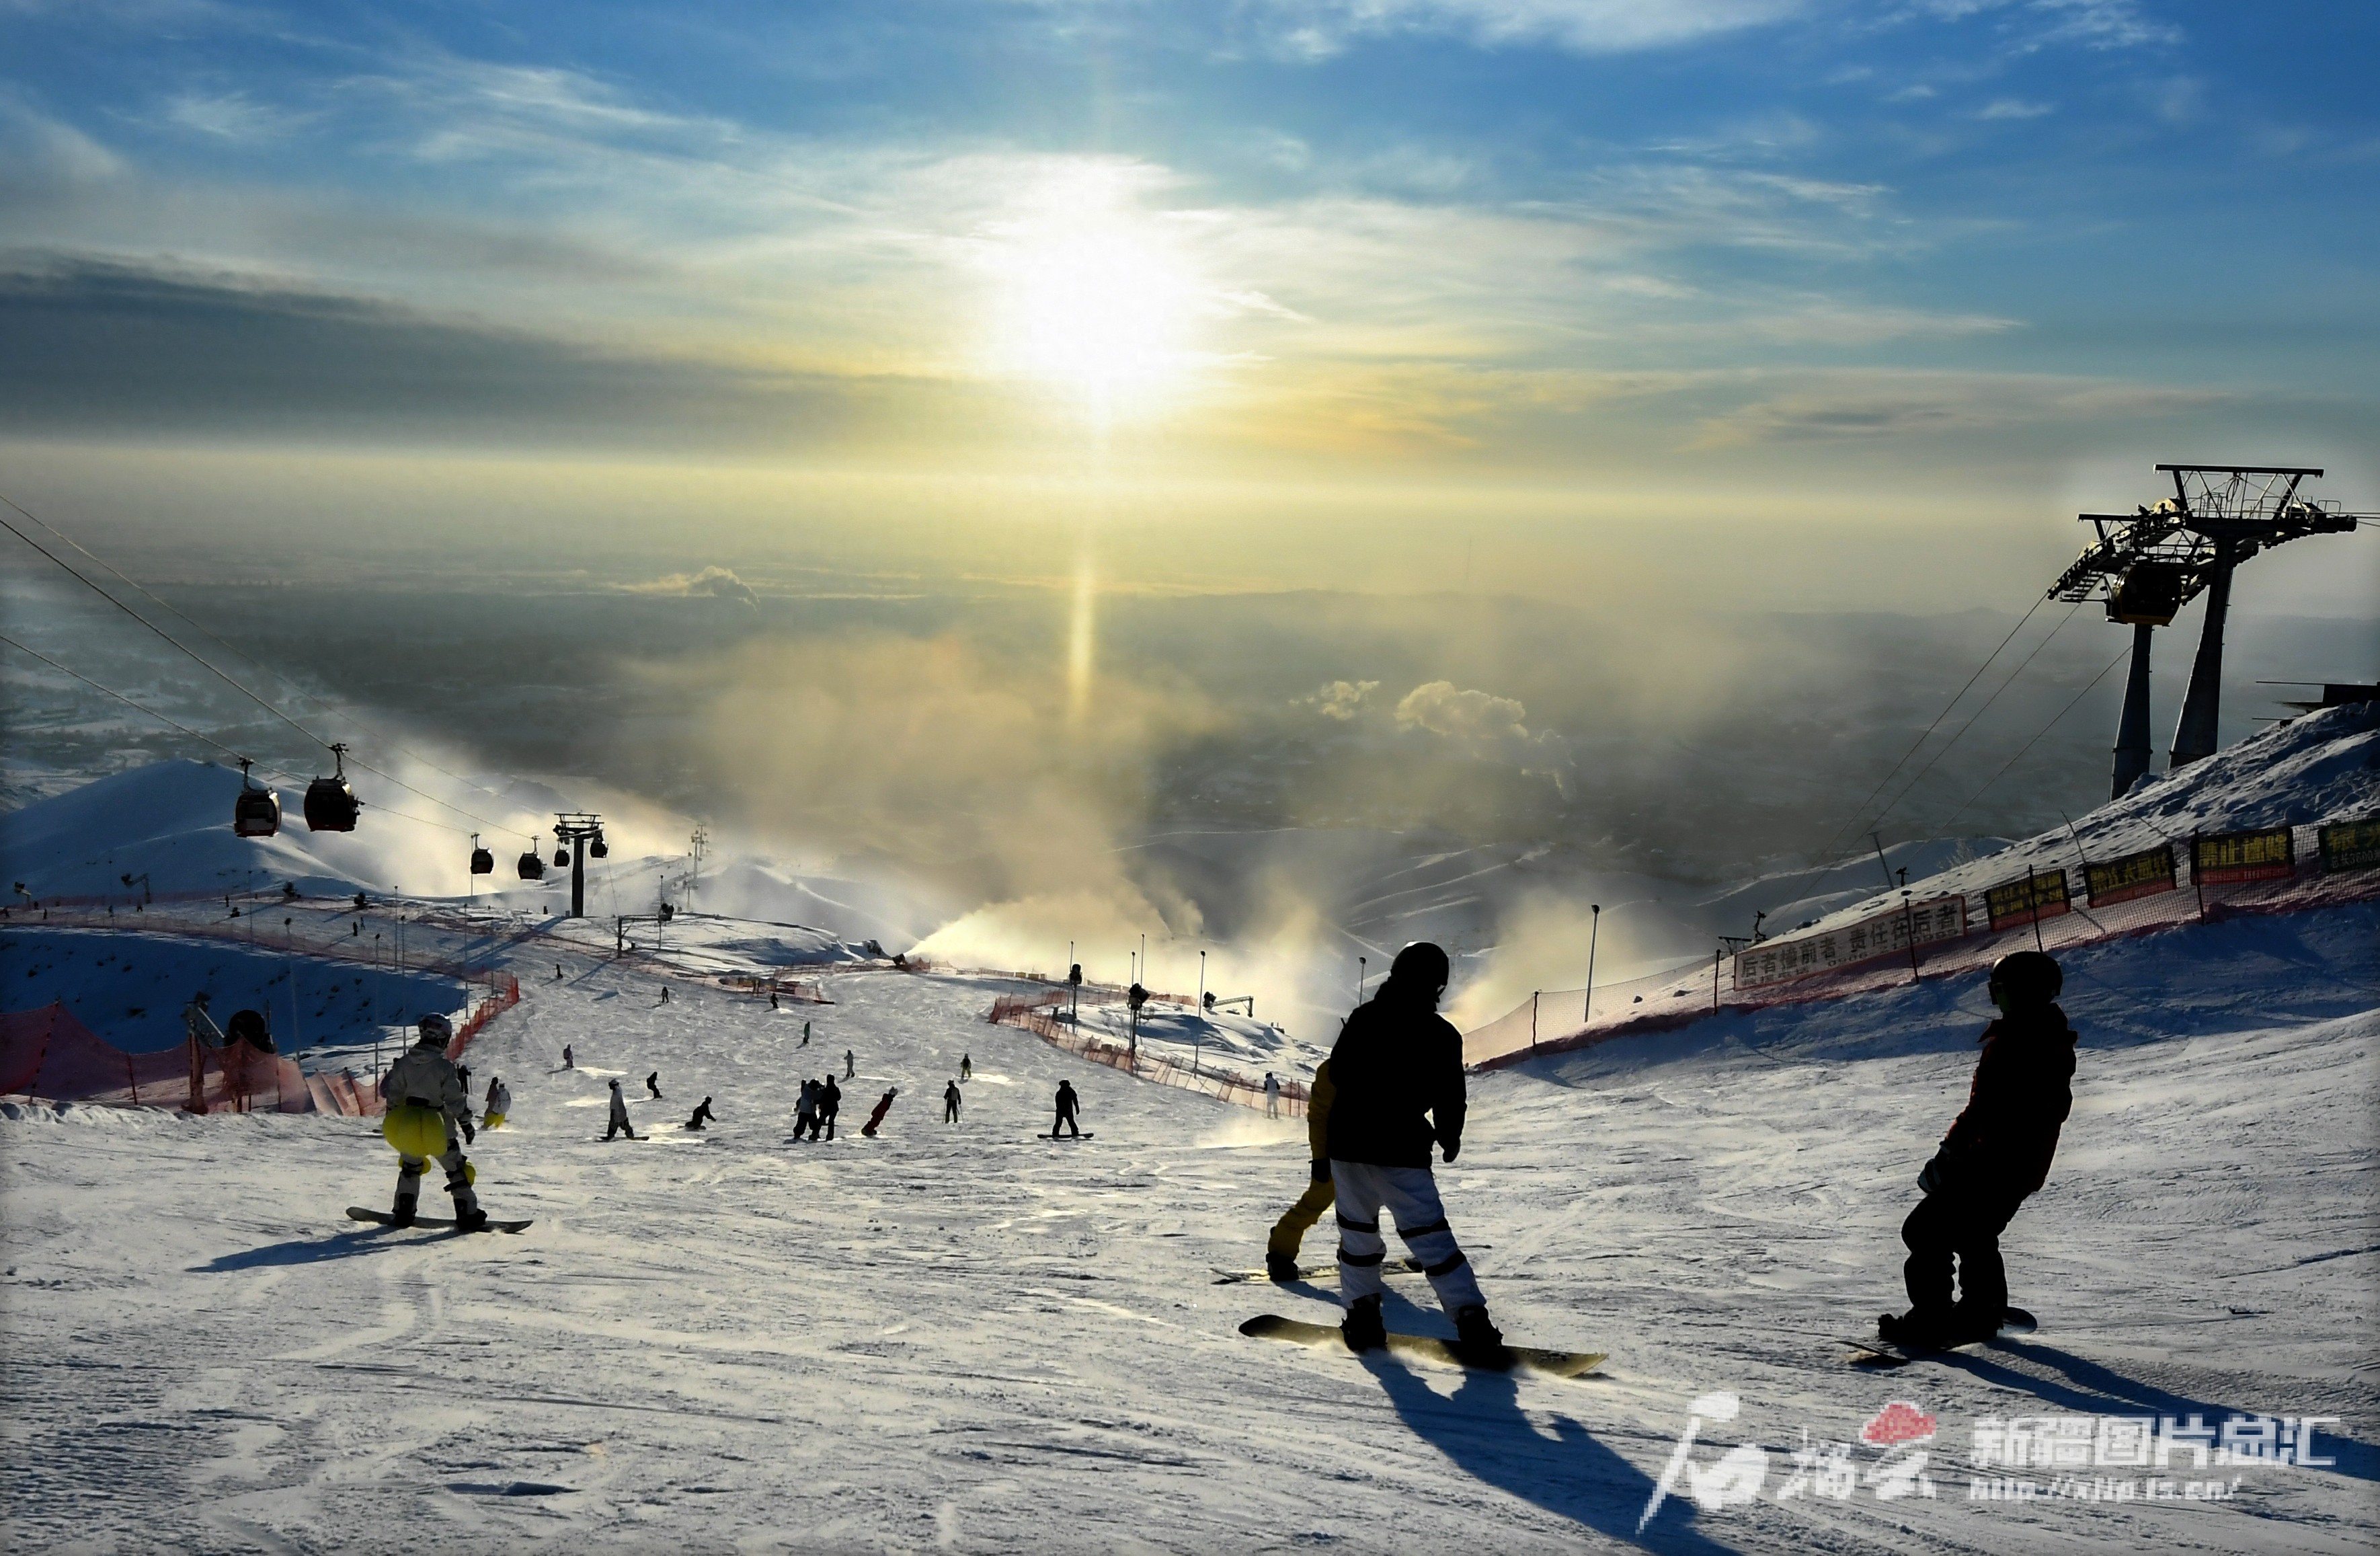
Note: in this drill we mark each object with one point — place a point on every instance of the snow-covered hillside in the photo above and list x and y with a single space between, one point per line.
960 1336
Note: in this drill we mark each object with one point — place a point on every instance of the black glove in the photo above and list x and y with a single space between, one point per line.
1448 1147
1321 1171
468 1135
1935 1177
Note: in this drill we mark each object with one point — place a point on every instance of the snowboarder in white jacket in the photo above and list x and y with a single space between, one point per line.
500 1102
619 1119
424 1078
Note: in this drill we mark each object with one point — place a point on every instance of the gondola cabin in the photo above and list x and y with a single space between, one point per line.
257 811
531 866
482 861
331 805
598 850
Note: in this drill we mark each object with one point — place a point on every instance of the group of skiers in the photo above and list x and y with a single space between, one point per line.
1393 1087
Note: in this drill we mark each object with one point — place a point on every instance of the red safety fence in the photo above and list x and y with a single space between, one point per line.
1038 1014
1555 1021
47 1053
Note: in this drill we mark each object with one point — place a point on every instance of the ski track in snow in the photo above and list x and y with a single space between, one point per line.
961 1337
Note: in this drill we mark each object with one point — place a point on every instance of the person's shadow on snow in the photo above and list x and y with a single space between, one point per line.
2092 1388
1483 1432
345 1245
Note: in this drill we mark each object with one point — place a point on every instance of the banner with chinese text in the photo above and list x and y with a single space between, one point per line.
1882 934
2351 845
2136 875
2266 854
2039 894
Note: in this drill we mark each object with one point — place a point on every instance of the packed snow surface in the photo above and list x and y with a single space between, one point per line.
958 1336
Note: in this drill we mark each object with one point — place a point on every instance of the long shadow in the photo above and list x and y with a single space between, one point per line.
2094 1389
1481 1430
346 1245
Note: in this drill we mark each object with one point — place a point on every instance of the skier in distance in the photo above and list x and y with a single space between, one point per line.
883 1106
830 1103
806 1111
950 1103
619 1119
1996 1153
500 1102
424 1078
653 1084
850 1066
1273 1095
1396 1061
1068 1105
701 1115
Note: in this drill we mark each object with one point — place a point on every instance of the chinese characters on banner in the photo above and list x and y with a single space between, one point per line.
2267 855
1882 934
2035 896
2351 845
2136 875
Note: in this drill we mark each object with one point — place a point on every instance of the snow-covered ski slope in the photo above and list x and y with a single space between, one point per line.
956 1336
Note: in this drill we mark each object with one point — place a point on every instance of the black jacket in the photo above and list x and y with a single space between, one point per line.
1398 1073
2007 1133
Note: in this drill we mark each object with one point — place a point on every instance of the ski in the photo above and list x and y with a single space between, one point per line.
1558 1364
356 1212
1223 1277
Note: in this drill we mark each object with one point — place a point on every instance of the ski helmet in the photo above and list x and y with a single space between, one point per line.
1421 965
436 1028
2026 978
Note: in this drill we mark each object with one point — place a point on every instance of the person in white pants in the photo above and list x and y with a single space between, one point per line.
1397 1068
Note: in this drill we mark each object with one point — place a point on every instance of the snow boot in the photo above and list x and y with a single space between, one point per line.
1364 1330
470 1220
1921 1331
401 1212
1281 1267
1474 1332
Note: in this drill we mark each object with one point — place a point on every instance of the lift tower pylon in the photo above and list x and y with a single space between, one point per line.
2149 564
576 829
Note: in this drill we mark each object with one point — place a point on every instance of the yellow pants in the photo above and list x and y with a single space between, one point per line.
492 1121
1289 1231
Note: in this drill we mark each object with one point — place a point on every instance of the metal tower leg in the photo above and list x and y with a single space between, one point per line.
579 878
2193 737
2132 733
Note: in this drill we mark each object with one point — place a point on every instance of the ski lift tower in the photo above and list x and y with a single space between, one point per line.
2149 564
579 831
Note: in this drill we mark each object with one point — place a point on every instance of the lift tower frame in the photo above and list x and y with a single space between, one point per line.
576 829
2147 565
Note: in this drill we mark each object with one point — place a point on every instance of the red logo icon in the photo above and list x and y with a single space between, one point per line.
1897 1422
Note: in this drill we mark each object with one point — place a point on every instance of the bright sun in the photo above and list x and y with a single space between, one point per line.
1100 312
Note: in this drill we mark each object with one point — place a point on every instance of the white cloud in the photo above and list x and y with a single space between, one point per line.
1316 28
2014 108
1339 699
1475 716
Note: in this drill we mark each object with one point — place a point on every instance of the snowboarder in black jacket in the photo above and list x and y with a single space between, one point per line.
1398 1072
702 1115
951 1095
1067 1104
830 1103
1996 1153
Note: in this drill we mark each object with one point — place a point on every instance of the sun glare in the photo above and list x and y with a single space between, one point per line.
1102 313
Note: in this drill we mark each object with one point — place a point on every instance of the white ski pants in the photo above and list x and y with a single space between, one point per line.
1410 1196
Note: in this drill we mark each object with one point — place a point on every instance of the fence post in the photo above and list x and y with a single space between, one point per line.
2197 885
1533 1019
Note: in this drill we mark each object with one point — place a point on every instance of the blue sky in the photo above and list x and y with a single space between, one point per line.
1671 252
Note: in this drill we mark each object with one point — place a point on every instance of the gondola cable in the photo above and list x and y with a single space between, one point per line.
284 775
233 682
331 710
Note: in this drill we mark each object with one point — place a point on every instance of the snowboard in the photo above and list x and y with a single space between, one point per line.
1558 1364
356 1212
1891 1354
1223 1277
1086 1135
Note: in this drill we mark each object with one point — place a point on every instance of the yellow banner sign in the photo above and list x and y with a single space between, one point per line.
2267 855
